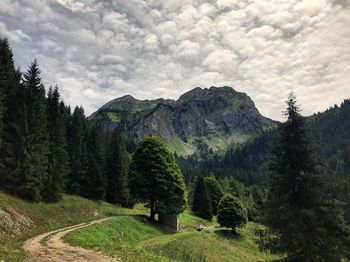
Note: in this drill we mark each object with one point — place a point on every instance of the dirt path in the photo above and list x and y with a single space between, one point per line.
50 247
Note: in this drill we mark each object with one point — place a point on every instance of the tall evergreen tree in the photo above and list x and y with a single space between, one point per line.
12 121
303 221
77 150
35 165
215 192
92 181
58 157
7 77
202 204
116 171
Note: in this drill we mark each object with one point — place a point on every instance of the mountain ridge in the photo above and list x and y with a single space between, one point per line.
215 116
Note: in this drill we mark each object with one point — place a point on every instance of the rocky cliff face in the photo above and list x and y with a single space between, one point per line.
218 115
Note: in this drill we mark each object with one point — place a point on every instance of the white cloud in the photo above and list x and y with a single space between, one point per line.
98 50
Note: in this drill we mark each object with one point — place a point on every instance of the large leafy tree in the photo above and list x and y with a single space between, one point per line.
155 177
35 165
116 171
231 212
202 203
58 156
303 220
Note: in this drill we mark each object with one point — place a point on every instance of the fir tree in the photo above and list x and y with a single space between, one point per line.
12 131
92 181
215 192
202 203
35 165
7 77
155 177
77 150
116 170
304 221
58 157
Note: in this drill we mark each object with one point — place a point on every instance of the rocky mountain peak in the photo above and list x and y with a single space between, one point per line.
219 116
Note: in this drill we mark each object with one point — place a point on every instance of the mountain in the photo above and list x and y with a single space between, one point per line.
329 130
212 117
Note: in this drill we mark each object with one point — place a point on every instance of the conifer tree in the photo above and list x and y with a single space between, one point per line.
202 203
215 192
35 165
116 171
303 220
77 150
92 181
7 77
12 121
58 157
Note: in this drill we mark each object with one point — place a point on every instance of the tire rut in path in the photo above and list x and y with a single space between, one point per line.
54 249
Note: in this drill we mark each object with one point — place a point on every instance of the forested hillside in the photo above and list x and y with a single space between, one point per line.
249 162
47 149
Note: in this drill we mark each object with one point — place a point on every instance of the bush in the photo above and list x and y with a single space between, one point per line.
231 212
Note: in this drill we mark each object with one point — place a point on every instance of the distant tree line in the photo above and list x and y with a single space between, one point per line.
46 150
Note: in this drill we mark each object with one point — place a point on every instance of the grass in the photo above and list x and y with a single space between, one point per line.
119 236
190 220
46 217
113 117
132 239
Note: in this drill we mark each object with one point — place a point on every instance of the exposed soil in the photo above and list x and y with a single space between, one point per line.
50 247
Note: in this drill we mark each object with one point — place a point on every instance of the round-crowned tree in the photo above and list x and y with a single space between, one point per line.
155 178
231 212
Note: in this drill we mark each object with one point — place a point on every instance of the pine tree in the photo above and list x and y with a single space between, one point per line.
58 157
77 150
202 203
155 177
116 171
215 192
7 77
92 181
303 220
12 138
35 165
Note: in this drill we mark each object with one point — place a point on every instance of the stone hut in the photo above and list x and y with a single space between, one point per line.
170 220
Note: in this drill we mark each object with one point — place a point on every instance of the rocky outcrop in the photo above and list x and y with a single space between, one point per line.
215 112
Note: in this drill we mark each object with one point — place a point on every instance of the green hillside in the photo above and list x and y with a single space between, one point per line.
21 220
133 238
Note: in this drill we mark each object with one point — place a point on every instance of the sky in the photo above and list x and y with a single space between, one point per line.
96 51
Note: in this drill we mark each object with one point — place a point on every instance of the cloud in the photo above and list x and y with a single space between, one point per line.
99 50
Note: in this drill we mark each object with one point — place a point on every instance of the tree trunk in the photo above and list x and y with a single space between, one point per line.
153 213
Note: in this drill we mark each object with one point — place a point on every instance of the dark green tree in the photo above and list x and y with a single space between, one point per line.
58 156
215 192
77 150
231 212
35 165
12 122
93 181
116 171
202 203
7 77
155 178
303 220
